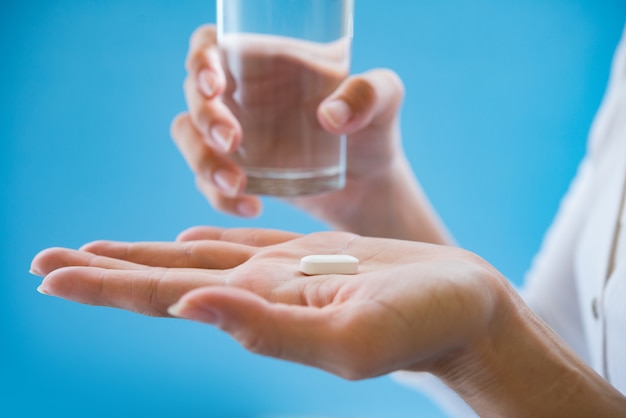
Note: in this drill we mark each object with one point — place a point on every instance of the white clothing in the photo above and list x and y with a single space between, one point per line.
577 283
578 280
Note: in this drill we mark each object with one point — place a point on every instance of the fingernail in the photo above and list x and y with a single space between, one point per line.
206 82
41 289
35 272
228 182
195 313
222 136
247 209
336 112
175 309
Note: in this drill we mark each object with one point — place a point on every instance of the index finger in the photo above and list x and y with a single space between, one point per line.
203 61
205 254
147 291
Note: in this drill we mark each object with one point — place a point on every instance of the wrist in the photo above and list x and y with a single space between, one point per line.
520 367
392 204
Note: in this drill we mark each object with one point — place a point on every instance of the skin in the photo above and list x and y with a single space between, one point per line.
365 107
416 306
412 306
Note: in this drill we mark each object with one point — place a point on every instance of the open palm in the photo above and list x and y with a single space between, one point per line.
409 305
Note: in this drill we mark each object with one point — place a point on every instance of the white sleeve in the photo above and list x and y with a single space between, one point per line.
550 287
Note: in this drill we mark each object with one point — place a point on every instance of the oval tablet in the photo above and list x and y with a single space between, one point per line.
329 264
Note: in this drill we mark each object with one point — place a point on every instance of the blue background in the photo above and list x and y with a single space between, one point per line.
500 96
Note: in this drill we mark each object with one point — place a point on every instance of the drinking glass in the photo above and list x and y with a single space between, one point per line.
282 58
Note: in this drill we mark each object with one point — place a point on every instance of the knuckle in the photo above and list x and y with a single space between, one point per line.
179 125
359 93
188 253
201 115
254 341
202 35
101 287
393 78
201 39
154 306
194 60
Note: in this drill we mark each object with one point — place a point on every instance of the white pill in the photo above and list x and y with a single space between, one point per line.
329 264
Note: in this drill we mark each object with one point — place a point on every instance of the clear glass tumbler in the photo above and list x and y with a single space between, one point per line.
282 58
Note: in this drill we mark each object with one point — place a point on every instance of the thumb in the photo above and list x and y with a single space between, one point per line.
372 98
305 335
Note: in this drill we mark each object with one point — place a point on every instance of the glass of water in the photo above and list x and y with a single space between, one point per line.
282 58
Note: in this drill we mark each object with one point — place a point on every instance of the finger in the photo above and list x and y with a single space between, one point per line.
206 81
302 334
247 236
201 232
372 98
148 291
193 254
246 206
212 118
52 259
203 62
219 175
